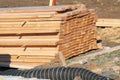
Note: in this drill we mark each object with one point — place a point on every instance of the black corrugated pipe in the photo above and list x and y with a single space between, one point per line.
58 73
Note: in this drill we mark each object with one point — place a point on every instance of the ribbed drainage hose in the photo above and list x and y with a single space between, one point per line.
58 73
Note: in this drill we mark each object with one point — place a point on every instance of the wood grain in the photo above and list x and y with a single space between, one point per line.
40 35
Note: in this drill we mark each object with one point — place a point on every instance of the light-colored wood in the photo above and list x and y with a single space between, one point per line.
25 24
25 15
10 37
40 37
37 53
75 12
62 59
108 22
36 38
28 49
37 60
27 31
12 48
54 37
39 57
31 19
27 63
77 78
41 49
7 56
99 45
28 42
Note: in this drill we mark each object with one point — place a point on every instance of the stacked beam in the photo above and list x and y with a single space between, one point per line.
35 35
80 36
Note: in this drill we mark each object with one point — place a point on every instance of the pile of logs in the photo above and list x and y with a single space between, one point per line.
35 35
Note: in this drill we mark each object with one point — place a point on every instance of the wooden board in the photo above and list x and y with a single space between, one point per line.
28 42
28 48
27 31
25 24
37 53
32 36
108 22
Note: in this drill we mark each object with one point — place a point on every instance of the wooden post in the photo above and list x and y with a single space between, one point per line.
52 3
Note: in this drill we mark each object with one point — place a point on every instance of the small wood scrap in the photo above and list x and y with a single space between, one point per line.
35 35
77 78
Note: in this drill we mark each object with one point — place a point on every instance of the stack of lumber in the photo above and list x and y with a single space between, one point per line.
35 35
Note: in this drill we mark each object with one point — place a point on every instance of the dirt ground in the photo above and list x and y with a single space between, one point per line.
105 8
107 65
109 36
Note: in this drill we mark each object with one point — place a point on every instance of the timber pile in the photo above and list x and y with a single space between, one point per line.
35 35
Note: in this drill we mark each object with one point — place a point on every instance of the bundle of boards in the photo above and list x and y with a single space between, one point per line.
35 35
